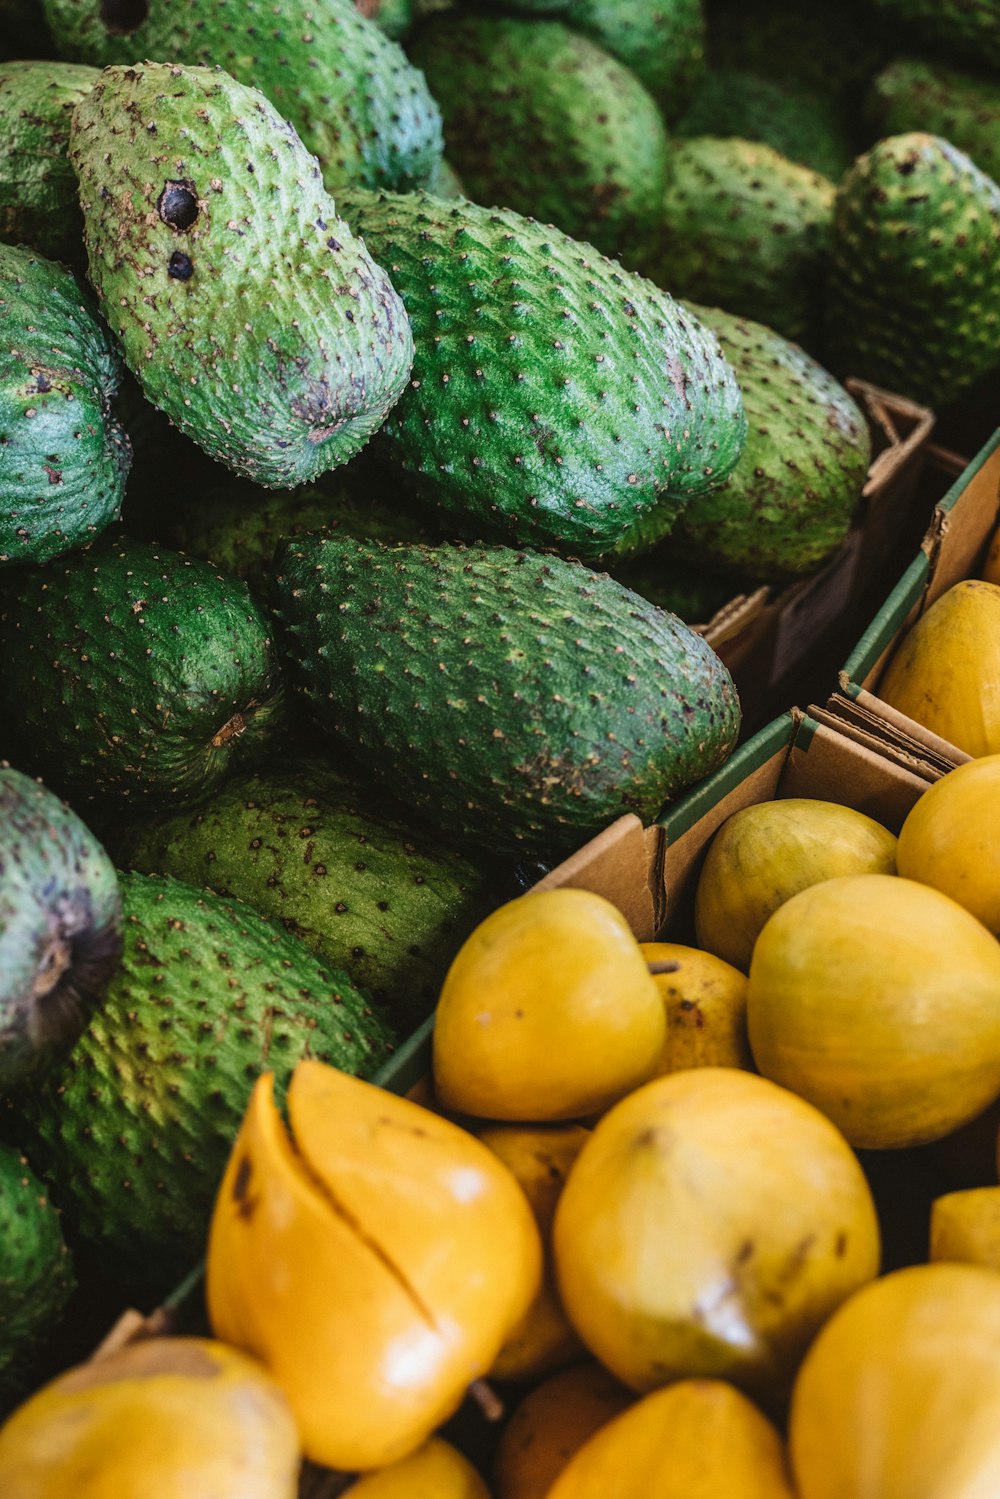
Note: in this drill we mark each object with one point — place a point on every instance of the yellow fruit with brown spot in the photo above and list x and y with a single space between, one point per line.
709 1227
951 839
705 1002
181 1418
899 1396
965 1226
765 854
539 1158
437 1470
551 1424
946 672
375 1261
697 1439
548 1012
878 999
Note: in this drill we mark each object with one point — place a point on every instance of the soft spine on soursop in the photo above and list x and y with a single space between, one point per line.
139 673
556 400
133 1131
913 301
515 701
64 457
243 305
547 123
347 89
39 205
962 107
36 1273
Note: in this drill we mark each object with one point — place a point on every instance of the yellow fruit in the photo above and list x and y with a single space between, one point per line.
551 1424
697 1439
539 1158
991 567
951 839
375 1262
178 1418
965 1226
710 1225
435 1471
765 854
705 1001
548 1012
946 672
899 1397
878 999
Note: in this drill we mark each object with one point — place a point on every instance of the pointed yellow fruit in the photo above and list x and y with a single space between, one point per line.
184 1418
548 1012
951 839
705 1002
375 1262
551 1424
697 1439
437 1470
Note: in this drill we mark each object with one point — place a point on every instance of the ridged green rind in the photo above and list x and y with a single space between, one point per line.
39 205
968 30
788 503
36 1273
134 1130
963 107
556 400
137 673
63 455
794 121
244 306
336 868
543 121
747 230
348 90
60 928
662 41
515 700
914 295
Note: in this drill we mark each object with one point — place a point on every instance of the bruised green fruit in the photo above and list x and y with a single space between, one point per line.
243 305
36 1273
38 193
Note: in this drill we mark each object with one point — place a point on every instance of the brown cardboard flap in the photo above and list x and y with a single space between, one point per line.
957 536
835 768
133 1327
623 865
906 736
903 424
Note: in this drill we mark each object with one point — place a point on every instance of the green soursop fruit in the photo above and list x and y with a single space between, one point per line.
796 122
968 30
662 41
963 107
39 205
515 701
36 1273
914 295
788 503
346 88
747 230
63 455
60 928
545 122
556 400
244 307
337 868
138 673
133 1131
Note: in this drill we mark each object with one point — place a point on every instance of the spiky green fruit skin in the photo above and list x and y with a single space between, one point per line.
747 230
794 121
134 1129
140 674
245 308
23 32
788 503
64 457
914 296
60 927
962 107
348 90
542 120
662 41
556 400
336 868
968 30
694 594
36 1272
39 205
510 699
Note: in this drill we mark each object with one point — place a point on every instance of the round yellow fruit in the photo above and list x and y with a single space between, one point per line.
965 1226
174 1417
548 1012
437 1470
765 854
878 999
710 1225
697 1439
900 1394
951 839
705 1002
551 1424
